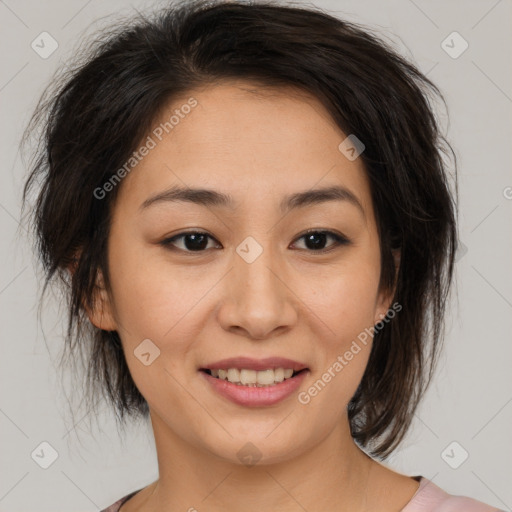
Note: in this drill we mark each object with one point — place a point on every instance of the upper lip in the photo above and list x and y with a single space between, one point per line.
255 364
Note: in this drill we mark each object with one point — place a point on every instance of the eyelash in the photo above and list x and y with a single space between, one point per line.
340 240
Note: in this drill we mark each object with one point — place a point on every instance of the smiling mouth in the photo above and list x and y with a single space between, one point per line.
254 378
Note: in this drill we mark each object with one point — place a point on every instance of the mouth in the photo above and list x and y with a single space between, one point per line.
254 388
254 378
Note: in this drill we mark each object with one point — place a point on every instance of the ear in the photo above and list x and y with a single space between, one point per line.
101 314
384 300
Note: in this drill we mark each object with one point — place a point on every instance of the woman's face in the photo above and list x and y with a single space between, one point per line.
255 287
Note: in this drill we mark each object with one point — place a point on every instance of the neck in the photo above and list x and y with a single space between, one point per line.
334 470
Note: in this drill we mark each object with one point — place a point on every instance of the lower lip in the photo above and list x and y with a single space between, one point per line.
254 396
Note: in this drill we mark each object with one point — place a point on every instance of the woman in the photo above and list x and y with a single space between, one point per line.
250 209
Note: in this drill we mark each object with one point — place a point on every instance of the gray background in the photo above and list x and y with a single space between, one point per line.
470 400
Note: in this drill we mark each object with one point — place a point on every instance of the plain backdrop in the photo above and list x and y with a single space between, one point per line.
467 412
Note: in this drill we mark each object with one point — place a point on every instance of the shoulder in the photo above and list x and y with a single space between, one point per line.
465 504
431 498
117 505
114 507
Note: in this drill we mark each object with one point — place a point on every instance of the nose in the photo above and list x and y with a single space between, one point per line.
258 300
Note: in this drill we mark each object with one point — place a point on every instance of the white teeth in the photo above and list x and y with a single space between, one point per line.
265 377
253 378
248 376
288 373
233 375
279 375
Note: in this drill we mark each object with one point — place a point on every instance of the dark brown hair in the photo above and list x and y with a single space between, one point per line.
97 112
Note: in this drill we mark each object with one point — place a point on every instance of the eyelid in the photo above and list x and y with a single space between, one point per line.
340 240
167 242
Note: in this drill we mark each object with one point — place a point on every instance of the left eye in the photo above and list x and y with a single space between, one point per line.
317 238
197 241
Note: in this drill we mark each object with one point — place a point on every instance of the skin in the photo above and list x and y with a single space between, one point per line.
198 307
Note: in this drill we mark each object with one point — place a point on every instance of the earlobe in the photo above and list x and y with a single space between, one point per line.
397 254
383 308
101 313
385 300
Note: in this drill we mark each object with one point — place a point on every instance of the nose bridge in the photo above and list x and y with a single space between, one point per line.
258 299
255 270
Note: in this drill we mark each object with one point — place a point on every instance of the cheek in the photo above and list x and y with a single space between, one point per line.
159 301
345 307
343 297
344 341
152 303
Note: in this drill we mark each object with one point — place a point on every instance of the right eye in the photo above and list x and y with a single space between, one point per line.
194 241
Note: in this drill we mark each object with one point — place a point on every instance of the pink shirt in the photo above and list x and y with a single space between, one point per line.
428 498
431 498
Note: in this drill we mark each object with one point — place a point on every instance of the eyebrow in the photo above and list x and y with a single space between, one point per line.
208 197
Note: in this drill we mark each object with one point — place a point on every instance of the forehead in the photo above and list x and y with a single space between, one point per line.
251 143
